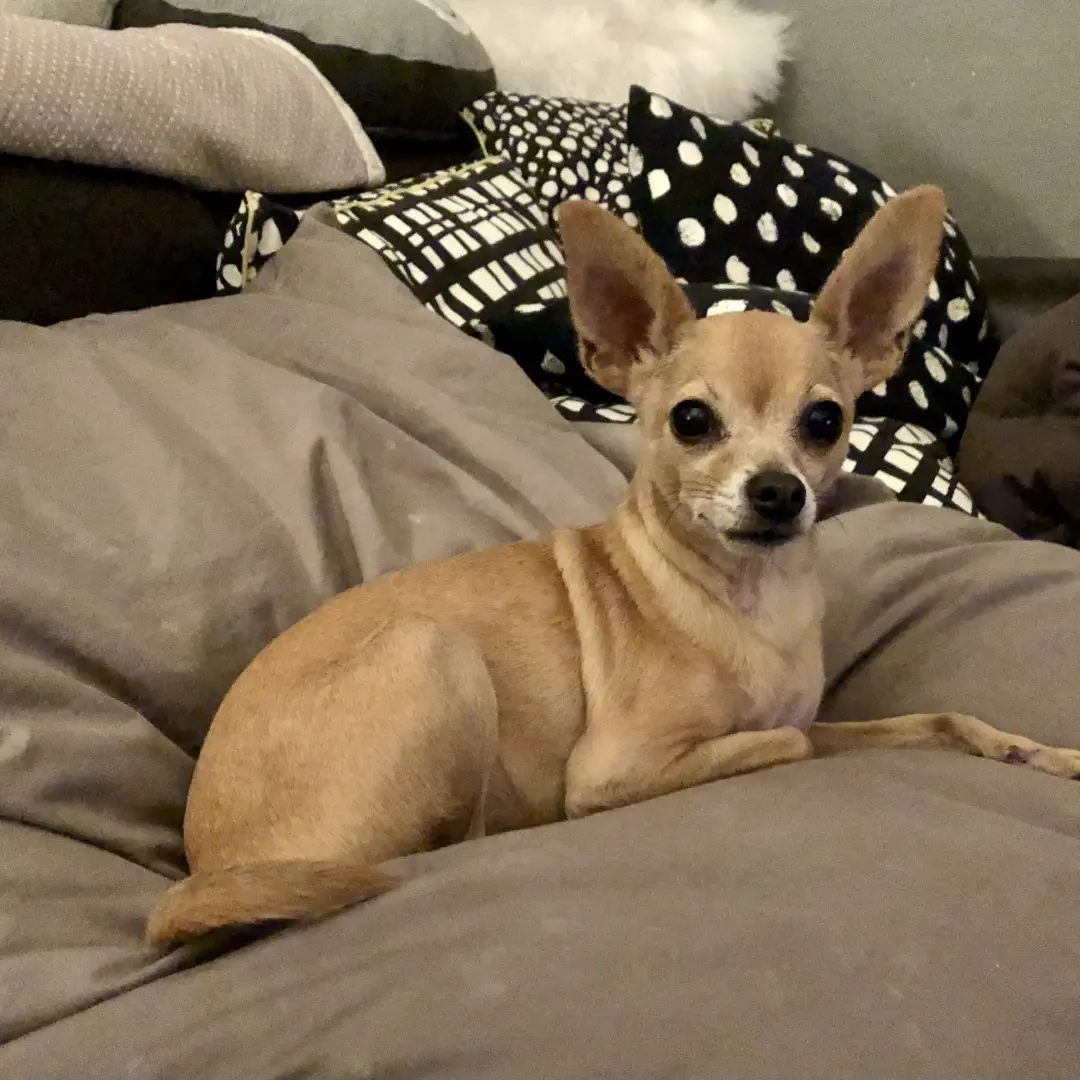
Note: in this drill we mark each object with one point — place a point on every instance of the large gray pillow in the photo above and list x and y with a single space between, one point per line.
405 66
178 485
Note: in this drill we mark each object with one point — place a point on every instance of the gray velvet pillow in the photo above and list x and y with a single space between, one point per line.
405 66
83 12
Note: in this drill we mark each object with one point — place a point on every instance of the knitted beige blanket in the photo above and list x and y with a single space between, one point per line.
220 109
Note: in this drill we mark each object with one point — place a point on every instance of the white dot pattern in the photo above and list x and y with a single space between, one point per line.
759 229
660 106
690 153
691 232
737 271
571 149
778 216
739 174
725 209
659 184
787 195
831 209
726 307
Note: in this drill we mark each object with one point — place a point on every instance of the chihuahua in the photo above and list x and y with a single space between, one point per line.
677 643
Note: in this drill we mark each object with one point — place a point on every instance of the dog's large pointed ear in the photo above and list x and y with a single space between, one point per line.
871 300
627 308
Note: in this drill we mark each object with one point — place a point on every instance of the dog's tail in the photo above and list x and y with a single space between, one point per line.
260 893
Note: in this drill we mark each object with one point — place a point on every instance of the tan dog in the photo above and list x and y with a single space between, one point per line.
677 643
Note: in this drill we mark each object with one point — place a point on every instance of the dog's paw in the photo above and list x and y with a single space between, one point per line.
1048 759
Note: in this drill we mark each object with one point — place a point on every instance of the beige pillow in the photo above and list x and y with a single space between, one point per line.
222 109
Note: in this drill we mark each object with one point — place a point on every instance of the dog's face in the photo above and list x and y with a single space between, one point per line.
746 427
746 415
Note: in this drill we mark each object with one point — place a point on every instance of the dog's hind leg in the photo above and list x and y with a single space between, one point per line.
400 736
946 731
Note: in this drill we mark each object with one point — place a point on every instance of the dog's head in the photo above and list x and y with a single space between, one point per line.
746 415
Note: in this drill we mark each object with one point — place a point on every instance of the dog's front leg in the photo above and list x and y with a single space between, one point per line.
604 772
945 731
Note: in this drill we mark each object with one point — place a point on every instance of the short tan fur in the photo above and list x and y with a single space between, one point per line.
677 643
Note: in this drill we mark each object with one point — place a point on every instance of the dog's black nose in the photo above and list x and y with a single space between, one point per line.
776 496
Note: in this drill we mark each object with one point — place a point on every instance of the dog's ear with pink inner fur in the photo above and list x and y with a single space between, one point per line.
870 301
627 308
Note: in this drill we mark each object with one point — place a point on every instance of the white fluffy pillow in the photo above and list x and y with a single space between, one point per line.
711 55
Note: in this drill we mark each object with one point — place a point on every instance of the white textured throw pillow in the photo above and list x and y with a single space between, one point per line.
713 55
224 110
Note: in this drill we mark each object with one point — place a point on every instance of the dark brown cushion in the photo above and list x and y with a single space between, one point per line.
77 239
1020 454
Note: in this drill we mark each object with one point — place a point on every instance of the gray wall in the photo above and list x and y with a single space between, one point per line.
981 96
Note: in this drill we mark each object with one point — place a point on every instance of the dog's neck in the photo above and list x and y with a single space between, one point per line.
696 585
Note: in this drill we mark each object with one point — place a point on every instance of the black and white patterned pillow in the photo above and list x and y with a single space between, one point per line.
907 458
467 241
254 235
910 461
724 203
565 148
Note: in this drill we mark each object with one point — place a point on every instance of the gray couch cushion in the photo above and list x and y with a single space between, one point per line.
178 485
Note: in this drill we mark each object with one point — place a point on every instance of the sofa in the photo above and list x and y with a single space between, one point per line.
180 483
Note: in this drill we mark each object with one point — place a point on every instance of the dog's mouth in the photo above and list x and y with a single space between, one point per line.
766 536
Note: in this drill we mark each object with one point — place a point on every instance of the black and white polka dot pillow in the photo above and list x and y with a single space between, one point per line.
542 340
721 202
564 148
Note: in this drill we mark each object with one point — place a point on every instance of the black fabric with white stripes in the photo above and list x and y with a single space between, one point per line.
909 461
467 241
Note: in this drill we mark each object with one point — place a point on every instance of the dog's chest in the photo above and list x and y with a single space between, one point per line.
783 679
776 667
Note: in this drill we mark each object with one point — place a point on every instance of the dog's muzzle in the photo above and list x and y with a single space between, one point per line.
776 500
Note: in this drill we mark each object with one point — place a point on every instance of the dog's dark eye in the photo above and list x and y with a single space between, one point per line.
693 420
823 423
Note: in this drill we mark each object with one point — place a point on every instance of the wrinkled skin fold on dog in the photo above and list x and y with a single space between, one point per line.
675 644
